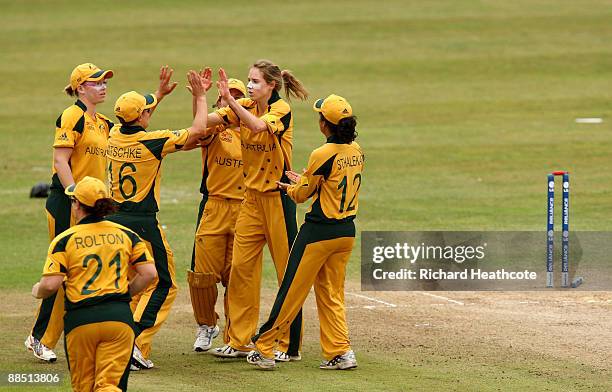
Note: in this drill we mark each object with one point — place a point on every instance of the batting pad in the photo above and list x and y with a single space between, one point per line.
203 293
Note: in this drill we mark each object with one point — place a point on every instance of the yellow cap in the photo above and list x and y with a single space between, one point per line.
87 72
236 84
88 191
334 108
130 105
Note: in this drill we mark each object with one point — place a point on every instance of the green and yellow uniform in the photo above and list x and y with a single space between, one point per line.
222 191
322 248
266 215
87 136
134 168
95 256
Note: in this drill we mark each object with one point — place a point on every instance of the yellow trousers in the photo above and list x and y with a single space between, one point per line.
264 218
49 322
319 256
152 306
99 356
212 256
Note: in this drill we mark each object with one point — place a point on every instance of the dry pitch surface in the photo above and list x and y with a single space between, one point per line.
477 341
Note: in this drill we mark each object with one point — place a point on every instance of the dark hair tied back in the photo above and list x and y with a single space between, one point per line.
345 131
102 208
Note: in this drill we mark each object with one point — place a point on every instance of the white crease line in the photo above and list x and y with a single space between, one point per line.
375 300
369 307
441 297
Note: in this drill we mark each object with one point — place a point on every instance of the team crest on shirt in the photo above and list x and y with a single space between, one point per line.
177 133
90 127
226 136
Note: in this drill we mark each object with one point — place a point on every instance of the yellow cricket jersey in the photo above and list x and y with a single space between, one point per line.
333 179
95 255
134 165
222 164
87 137
266 155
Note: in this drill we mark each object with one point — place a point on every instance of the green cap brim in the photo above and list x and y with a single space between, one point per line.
70 190
318 104
150 101
100 75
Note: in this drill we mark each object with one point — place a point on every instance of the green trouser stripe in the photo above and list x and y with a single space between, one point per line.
146 226
200 212
147 320
123 382
44 316
289 213
66 352
297 251
58 206
308 234
295 333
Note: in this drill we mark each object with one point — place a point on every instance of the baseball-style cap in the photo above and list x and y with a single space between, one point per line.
87 72
235 84
334 108
130 105
88 191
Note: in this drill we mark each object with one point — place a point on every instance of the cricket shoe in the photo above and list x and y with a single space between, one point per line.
139 360
228 351
255 358
340 362
282 356
40 351
204 337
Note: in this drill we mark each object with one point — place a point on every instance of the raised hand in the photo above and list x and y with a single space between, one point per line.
206 76
222 85
165 86
196 86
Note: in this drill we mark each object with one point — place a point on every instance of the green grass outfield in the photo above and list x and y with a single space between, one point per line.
463 107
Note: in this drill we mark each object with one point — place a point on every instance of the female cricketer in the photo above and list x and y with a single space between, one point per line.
222 189
325 241
134 166
79 145
94 257
267 214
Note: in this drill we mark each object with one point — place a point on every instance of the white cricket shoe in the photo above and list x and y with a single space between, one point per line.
255 358
40 351
139 360
228 351
282 356
204 337
340 362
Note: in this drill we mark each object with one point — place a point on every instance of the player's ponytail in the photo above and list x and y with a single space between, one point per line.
101 208
272 73
68 90
293 86
345 131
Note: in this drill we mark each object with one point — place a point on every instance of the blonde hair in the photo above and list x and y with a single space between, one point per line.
272 73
